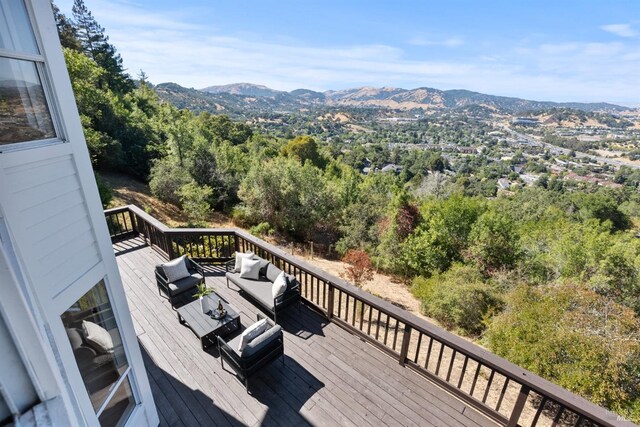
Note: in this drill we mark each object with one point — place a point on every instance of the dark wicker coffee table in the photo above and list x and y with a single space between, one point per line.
203 325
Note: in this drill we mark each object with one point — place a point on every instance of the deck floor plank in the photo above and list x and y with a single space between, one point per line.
329 377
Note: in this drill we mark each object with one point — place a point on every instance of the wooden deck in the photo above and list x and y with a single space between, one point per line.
330 377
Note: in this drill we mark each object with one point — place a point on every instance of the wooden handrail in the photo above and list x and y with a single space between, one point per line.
401 331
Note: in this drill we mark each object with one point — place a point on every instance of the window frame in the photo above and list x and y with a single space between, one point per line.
39 61
130 373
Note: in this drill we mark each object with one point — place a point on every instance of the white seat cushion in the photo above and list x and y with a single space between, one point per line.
252 332
176 269
97 337
279 285
239 257
250 269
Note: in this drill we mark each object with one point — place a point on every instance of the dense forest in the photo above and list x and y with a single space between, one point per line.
546 276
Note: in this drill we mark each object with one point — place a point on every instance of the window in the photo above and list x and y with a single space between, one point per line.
97 346
25 114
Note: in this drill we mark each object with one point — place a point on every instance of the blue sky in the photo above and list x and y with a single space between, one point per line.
561 50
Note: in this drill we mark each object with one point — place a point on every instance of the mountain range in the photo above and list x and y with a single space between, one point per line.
240 97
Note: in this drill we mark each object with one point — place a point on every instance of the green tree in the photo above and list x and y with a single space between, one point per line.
167 178
493 242
95 44
442 236
194 200
66 31
293 198
574 338
304 148
458 298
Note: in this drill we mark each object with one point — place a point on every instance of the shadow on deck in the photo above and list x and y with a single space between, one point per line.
330 377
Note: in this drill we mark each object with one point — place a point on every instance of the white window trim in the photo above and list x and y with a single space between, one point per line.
49 95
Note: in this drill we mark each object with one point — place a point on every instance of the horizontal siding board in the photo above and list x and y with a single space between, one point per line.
43 194
27 178
64 239
37 164
67 250
65 203
71 269
55 221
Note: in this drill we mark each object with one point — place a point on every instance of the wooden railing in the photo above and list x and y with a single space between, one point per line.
503 391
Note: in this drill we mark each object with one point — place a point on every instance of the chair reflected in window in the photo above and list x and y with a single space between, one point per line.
97 346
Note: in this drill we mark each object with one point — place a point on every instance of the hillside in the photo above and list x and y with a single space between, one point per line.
245 97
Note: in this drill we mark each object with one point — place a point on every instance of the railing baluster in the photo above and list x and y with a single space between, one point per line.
539 411
395 335
439 358
453 359
386 330
353 315
519 406
426 362
330 301
489 383
406 339
556 419
475 379
362 308
415 356
504 390
464 370
346 309
369 321
378 325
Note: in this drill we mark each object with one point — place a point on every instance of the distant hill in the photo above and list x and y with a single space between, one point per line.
243 98
244 89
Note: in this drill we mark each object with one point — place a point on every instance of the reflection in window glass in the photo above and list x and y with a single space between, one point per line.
15 30
5 413
95 340
24 114
119 407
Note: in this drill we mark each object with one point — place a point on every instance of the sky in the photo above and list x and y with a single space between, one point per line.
547 50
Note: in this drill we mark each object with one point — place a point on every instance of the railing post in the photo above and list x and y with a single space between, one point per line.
330 301
169 242
236 242
517 408
406 338
132 218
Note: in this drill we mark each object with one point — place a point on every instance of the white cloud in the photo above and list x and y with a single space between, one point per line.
449 42
622 30
170 49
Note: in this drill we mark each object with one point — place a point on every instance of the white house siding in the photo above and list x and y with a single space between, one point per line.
51 221
57 247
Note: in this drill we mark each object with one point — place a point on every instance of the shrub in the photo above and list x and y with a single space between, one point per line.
576 338
493 242
360 269
262 229
194 201
106 194
166 180
458 299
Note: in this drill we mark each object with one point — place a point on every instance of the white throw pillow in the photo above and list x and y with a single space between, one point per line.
97 337
176 269
279 285
239 257
250 269
251 333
